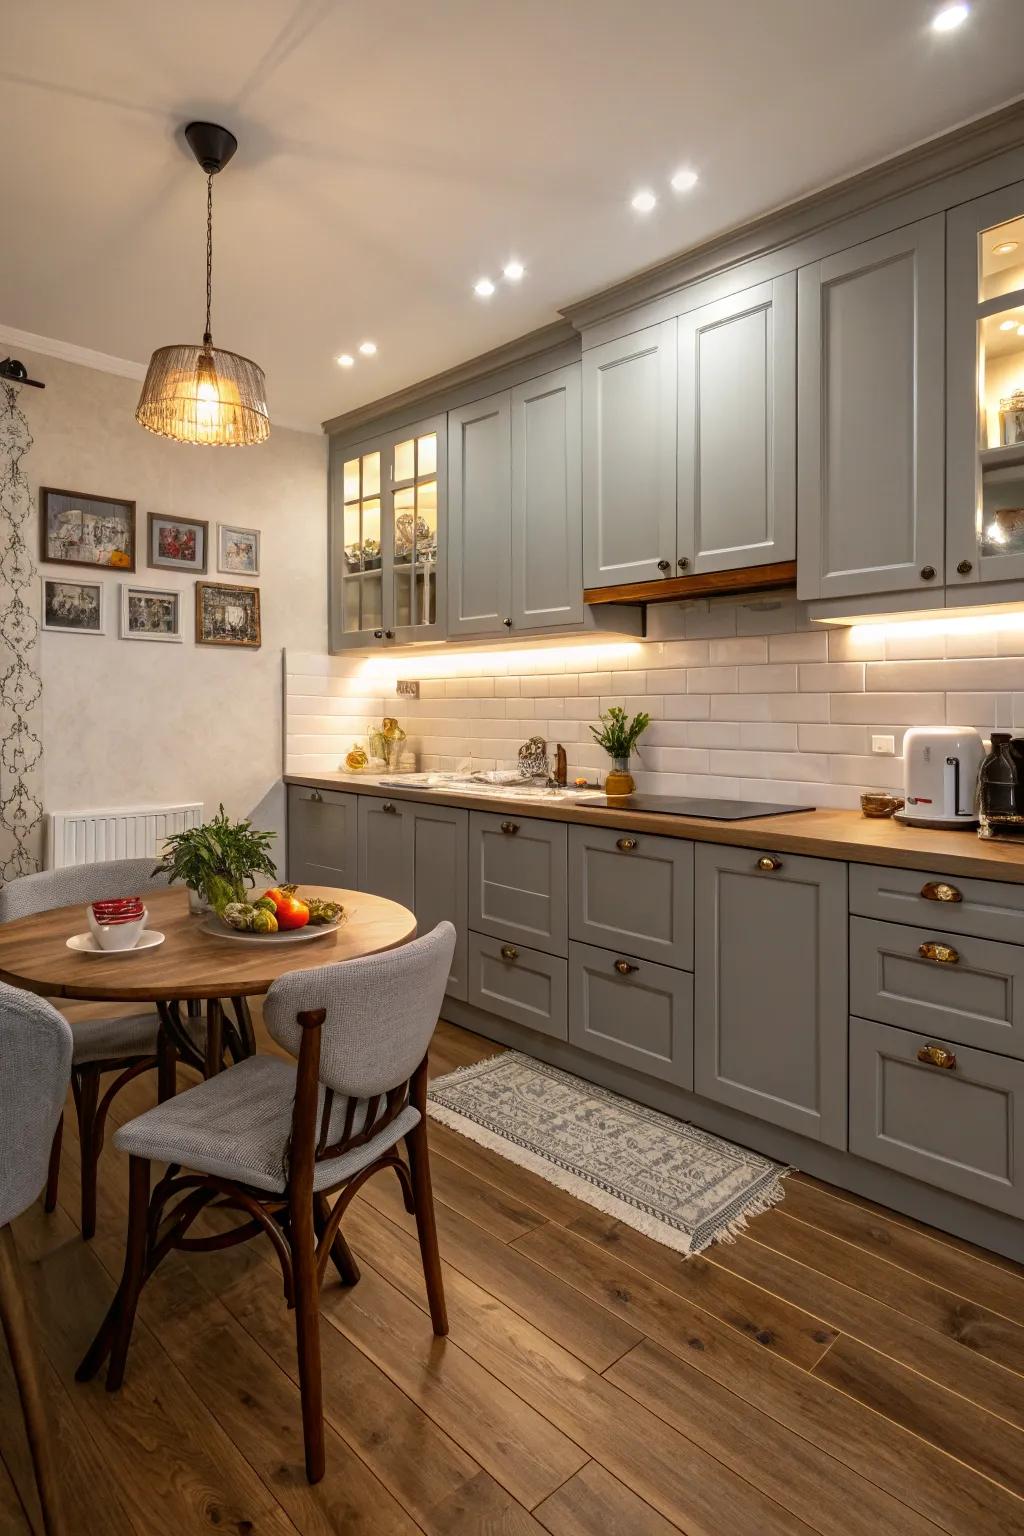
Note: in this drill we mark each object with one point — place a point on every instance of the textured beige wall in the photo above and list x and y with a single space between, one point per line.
136 722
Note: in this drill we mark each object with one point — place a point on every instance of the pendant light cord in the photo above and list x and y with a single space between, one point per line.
208 334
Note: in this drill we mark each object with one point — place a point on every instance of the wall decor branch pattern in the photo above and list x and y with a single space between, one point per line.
21 747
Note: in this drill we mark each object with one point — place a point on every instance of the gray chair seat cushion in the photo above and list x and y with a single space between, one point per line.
131 1035
237 1125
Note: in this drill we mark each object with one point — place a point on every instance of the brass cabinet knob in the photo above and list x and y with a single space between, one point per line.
627 844
964 567
378 634
683 563
942 954
510 826
389 634
768 863
927 573
664 565
509 952
507 623
624 968
391 809
937 1056
316 795
938 890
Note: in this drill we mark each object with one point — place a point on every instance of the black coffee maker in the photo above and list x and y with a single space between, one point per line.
1001 788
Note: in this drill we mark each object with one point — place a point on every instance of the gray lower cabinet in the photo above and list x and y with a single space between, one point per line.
870 416
479 517
440 836
323 837
770 977
386 848
517 880
633 1012
517 983
988 909
971 990
632 891
737 429
958 1125
629 458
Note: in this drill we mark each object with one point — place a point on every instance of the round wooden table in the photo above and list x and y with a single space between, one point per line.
191 965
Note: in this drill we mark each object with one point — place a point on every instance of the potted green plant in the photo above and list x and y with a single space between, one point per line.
218 862
618 735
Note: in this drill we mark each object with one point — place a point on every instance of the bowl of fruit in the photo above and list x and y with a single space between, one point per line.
281 915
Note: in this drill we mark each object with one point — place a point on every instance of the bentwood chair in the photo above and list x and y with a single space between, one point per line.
35 1065
273 1140
128 1045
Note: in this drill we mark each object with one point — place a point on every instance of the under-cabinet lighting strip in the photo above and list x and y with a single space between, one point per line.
562 658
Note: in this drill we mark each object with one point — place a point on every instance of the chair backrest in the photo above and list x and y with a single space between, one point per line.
381 1012
77 883
35 1069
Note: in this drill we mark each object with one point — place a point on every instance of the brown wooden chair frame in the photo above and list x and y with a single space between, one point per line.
303 1227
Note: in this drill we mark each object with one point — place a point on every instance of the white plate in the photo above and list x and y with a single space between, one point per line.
85 944
218 929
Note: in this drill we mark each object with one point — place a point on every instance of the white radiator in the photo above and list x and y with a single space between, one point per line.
89 837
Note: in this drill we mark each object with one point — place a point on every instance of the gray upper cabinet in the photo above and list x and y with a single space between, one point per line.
322 837
440 839
629 458
737 430
870 473
386 849
770 998
479 517
547 512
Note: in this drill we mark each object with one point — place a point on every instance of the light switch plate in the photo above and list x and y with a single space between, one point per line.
883 746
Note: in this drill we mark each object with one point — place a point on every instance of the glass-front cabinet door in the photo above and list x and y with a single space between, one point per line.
387 527
985 390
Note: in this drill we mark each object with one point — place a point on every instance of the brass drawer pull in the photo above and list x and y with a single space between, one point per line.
938 890
510 826
509 952
391 809
627 844
942 954
769 863
316 795
624 968
937 1056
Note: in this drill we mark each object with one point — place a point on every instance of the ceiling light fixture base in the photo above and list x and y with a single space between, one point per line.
212 145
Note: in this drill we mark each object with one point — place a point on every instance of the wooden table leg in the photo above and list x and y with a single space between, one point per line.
214 1036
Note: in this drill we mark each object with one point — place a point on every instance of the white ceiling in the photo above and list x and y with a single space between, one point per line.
392 151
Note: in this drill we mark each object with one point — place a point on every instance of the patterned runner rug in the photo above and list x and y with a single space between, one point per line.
681 1186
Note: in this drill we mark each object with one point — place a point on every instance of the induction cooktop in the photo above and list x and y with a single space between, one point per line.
713 810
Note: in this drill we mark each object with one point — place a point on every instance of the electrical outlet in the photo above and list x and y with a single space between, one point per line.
883 746
407 688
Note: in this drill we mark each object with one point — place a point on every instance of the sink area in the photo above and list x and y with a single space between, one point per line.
469 784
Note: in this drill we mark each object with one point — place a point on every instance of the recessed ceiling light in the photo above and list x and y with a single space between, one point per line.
950 17
368 348
1004 248
483 288
346 360
684 181
1008 325
514 271
644 201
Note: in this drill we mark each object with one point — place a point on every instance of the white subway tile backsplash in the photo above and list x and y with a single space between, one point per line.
711 680
831 677
779 678
771 765
768 736
809 645
749 649
686 706
901 709
981 675
834 738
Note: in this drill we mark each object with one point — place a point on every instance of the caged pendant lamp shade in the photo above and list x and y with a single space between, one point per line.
198 393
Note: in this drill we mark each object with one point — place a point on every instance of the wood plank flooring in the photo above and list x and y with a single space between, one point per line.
838 1370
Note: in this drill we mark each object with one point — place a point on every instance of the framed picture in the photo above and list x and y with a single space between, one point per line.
227 615
238 550
86 530
150 613
74 607
177 544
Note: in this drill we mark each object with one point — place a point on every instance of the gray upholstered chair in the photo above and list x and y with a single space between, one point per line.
127 1045
35 1065
275 1140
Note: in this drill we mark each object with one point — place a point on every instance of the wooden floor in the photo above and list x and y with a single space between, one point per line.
838 1370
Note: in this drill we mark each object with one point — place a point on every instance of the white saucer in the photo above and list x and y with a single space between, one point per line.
85 944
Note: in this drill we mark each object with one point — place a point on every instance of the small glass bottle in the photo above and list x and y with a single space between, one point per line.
1001 790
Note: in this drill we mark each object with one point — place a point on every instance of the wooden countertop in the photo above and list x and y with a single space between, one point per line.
825 834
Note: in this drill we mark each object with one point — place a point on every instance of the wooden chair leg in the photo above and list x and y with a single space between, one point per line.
87 1100
135 1253
24 1351
307 1335
166 1067
53 1172
419 1166
341 1253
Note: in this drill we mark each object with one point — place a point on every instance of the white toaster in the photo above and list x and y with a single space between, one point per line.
940 775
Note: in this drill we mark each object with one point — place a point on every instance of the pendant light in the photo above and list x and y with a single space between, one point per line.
199 394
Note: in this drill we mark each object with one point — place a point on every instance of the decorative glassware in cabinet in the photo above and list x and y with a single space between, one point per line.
1000 511
414 502
362 580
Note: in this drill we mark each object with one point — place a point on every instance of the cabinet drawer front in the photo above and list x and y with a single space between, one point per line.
386 848
641 1017
517 983
989 909
960 1128
632 891
969 989
517 879
322 837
